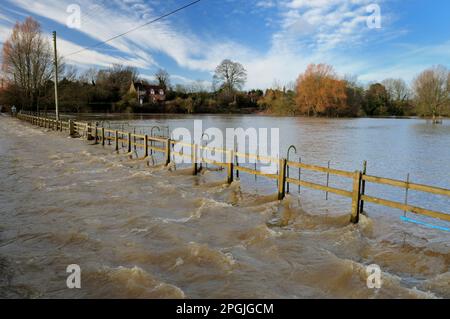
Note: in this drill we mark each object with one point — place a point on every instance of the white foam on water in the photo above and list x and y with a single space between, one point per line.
61 188
139 230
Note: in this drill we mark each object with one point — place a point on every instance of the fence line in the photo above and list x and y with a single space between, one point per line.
153 144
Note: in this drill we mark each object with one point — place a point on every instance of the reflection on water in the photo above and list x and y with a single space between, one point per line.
144 232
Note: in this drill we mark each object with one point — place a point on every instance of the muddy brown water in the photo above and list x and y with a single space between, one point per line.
146 232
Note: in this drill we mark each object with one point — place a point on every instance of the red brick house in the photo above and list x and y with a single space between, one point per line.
148 93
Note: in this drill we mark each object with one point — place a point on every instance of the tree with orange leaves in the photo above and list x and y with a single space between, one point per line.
321 92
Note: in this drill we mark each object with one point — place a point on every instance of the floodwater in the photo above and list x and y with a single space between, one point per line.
140 231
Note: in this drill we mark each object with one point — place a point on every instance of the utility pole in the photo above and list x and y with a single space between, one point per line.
56 76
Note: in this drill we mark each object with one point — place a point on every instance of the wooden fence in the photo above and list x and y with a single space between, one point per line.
165 146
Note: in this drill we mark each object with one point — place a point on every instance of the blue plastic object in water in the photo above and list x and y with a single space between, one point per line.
409 220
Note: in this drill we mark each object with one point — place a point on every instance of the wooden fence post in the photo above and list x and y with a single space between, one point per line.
356 198
129 142
194 159
168 142
236 159
134 139
103 136
363 187
96 134
145 146
88 131
71 128
116 137
282 179
230 167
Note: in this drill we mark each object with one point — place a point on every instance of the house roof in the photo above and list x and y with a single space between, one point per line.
146 87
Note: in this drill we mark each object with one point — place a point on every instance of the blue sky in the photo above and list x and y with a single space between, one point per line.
274 39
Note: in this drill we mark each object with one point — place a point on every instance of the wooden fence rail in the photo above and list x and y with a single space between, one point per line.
165 146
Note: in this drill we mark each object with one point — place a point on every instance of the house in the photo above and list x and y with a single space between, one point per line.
148 93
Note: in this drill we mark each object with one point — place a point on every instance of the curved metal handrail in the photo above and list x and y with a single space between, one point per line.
292 147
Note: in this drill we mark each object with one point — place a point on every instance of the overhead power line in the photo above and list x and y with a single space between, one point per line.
136 28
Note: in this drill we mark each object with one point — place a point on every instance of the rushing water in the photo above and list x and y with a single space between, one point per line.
143 231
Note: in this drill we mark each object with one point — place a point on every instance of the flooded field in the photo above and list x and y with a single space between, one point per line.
146 232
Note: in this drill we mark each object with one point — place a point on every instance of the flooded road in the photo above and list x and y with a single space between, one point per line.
144 232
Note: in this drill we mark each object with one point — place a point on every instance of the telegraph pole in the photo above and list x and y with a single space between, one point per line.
56 76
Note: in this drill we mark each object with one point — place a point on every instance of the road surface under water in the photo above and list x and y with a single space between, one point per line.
146 232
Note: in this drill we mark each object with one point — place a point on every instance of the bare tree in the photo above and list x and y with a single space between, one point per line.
163 78
70 72
230 76
27 61
351 80
397 89
432 91
198 86
89 76
117 80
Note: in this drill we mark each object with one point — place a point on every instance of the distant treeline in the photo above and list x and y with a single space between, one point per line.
27 83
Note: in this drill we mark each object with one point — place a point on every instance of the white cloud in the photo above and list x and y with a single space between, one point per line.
323 24
305 31
309 31
266 4
102 22
89 58
85 59
187 81
5 32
